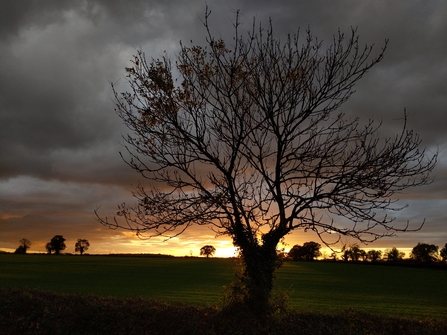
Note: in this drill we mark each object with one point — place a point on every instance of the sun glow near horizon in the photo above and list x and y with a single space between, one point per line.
183 246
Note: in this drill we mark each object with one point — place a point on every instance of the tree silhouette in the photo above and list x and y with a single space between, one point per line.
249 141
354 253
313 250
394 255
207 250
443 253
363 255
374 255
297 253
81 246
25 244
309 251
425 253
49 248
56 244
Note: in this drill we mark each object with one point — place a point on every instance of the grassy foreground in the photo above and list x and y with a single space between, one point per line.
188 280
318 287
40 312
380 289
42 294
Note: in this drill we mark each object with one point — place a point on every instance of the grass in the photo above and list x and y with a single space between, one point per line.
384 290
187 280
41 312
128 295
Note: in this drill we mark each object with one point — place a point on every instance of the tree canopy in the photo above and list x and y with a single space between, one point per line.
354 253
207 250
81 246
374 255
394 255
425 253
57 244
249 140
309 251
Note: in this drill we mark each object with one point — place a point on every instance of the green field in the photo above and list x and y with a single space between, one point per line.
319 287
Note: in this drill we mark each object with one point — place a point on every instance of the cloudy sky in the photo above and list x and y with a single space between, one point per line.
60 137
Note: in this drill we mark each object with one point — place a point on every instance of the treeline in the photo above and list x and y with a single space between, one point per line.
141 255
422 253
56 245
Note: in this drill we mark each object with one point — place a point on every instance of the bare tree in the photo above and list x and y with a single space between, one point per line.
81 246
249 141
25 244
207 250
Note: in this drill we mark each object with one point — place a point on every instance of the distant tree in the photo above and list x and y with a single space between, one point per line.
81 246
261 116
20 250
49 248
313 250
24 245
207 250
297 253
354 253
309 251
363 255
443 253
346 255
374 255
394 255
56 244
425 253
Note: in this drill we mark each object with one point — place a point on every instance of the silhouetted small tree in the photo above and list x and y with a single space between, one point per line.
374 255
81 246
56 244
20 250
309 251
297 253
49 248
25 244
425 253
207 250
354 253
394 255
363 255
313 250
345 255
443 253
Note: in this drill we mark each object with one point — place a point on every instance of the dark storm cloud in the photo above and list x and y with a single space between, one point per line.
59 136
56 68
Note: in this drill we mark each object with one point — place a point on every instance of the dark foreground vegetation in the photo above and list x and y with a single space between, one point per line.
41 312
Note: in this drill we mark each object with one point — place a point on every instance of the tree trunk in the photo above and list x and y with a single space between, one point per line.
260 263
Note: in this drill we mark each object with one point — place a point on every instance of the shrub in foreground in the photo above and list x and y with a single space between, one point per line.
40 312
